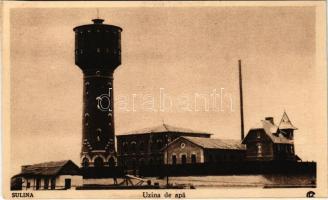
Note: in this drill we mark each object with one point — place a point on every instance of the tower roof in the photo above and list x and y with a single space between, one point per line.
285 123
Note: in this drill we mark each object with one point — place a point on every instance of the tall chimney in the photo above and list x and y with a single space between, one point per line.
241 101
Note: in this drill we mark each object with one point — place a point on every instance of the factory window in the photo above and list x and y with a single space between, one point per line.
193 158
98 50
125 147
28 184
99 162
159 144
85 162
133 146
292 149
141 146
174 159
183 159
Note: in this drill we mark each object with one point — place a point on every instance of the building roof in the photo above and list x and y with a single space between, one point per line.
271 131
212 143
47 168
285 123
164 128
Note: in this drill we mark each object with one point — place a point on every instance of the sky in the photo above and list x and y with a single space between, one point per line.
178 51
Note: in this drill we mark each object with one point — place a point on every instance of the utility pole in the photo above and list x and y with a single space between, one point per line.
241 101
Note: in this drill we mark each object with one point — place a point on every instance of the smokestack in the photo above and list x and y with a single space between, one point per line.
241 101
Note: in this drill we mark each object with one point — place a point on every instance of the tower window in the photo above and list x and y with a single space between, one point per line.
85 162
98 134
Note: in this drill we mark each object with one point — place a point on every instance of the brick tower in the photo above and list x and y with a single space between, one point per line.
98 54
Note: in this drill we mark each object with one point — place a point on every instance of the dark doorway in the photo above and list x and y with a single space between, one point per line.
99 162
67 183
53 183
38 182
111 162
46 183
183 159
193 159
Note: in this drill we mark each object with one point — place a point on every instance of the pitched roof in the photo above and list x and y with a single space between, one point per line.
44 169
285 123
271 131
211 143
163 128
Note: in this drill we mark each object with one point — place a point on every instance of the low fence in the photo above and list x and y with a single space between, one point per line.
229 168
203 169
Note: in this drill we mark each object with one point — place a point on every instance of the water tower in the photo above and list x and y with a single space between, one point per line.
98 54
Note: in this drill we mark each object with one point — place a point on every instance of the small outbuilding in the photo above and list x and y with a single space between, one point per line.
60 175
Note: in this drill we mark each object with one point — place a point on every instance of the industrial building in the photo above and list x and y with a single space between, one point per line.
192 150
269 142
144 147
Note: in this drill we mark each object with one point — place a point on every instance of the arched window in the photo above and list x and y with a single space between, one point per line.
125 147
142 146
174 159
193 158
99 162
133 146
85 162
183 159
